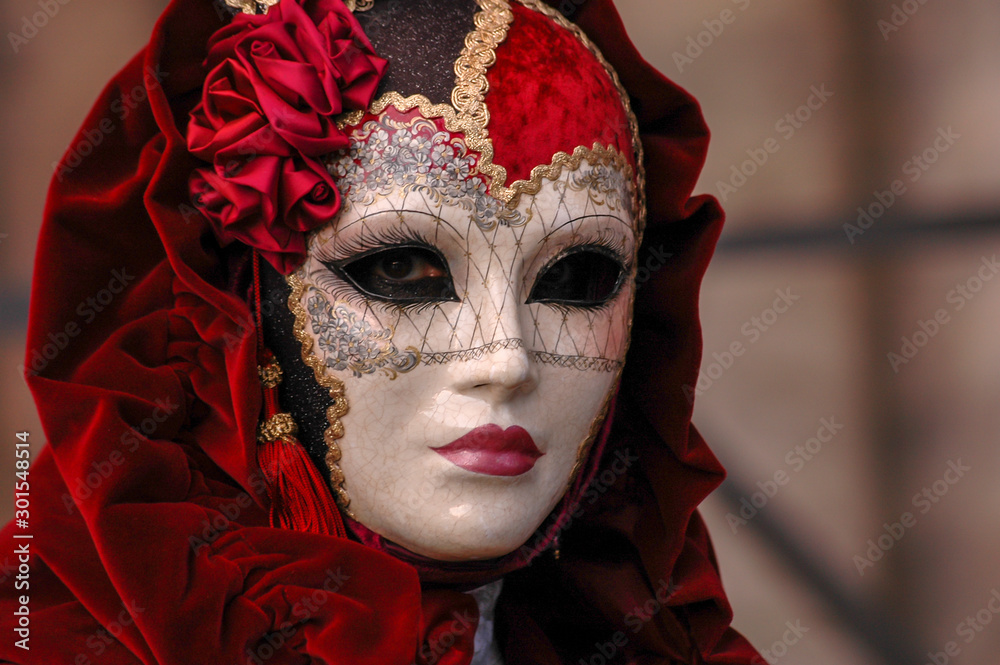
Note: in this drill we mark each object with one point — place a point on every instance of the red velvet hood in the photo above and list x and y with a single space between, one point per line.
151 533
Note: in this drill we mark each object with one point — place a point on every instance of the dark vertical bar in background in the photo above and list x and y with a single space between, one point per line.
872 73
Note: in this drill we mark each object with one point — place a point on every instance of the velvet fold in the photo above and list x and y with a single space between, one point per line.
149 515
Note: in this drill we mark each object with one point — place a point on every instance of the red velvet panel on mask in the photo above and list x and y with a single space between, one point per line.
549 93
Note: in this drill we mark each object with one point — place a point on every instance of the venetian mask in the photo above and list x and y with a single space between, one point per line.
469 307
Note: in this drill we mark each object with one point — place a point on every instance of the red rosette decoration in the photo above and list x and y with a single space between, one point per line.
275 85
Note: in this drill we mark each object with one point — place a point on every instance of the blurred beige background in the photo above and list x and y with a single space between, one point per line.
884 80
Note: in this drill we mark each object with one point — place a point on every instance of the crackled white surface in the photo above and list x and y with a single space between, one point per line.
422 376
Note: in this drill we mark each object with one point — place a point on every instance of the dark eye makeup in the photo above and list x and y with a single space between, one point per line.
401 273
398 266
586 276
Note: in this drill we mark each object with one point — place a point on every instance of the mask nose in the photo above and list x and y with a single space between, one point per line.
498 371
496 361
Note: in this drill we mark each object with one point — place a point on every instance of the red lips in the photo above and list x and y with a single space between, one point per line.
493 451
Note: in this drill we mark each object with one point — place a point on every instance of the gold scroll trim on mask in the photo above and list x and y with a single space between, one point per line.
251 6
336 411
359 5
467 113
479 54
598 155
640 180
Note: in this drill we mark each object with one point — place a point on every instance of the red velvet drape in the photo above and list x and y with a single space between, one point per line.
151 542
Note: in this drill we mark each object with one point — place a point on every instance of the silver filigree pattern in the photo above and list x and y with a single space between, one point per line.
417 155
604 185
347 343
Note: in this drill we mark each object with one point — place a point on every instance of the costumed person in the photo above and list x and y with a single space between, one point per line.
403 300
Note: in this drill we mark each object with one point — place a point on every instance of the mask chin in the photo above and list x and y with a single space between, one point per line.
478 327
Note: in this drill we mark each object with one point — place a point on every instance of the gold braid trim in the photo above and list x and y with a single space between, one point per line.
334 385
359 5
469 94
469 115
640 180
279 427
270 375
250 6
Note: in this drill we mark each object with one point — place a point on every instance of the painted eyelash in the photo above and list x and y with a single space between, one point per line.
605 239
370 241
342 291
366 243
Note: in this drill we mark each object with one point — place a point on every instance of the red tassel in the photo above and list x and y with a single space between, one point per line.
300 497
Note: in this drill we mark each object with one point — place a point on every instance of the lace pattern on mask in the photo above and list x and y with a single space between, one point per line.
347 343
338 409
387 154
580 363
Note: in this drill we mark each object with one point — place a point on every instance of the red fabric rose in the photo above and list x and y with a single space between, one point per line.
275 86
269 204
308 196
285 70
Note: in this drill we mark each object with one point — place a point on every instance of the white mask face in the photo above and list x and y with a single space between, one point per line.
478 345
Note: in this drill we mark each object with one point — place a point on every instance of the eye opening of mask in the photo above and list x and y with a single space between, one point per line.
403 273
587 276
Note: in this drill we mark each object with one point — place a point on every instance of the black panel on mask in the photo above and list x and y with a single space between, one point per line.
421 39
299 392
